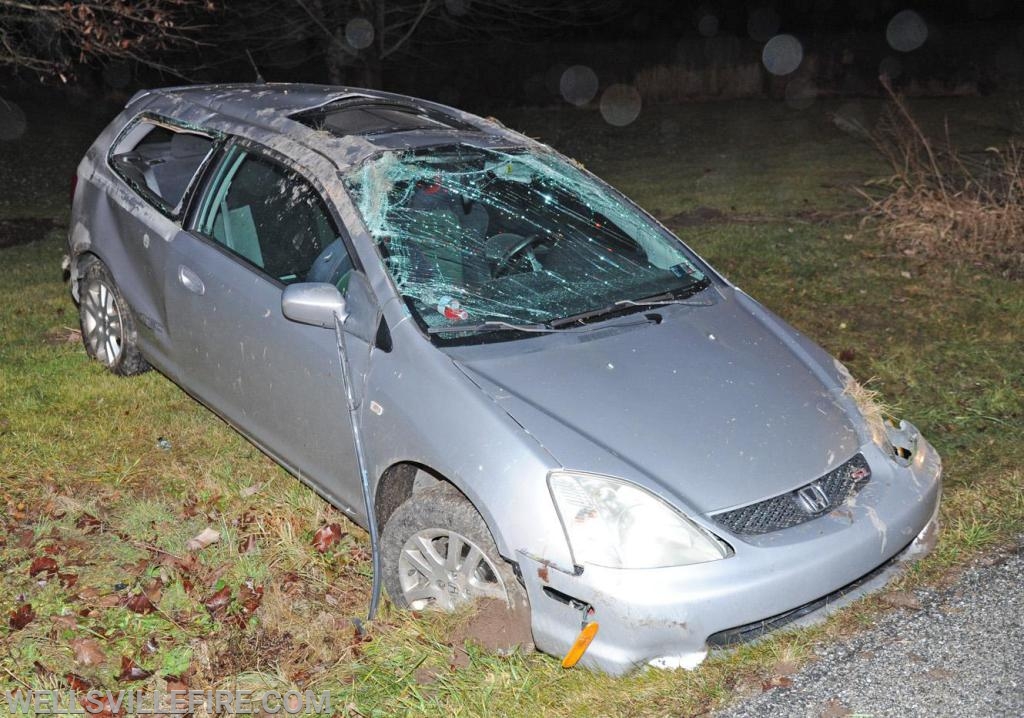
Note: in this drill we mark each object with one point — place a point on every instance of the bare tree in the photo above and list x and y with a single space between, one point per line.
52 37
357 37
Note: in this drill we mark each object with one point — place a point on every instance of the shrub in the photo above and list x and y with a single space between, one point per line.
942 205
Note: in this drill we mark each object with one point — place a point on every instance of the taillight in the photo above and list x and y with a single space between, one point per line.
74 186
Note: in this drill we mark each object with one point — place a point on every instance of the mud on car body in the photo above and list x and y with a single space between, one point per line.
551 400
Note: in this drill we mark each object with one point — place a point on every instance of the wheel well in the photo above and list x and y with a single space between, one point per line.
398 483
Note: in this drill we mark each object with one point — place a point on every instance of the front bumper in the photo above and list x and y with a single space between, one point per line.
668 616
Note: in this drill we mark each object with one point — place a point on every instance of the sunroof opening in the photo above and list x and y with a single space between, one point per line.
377 118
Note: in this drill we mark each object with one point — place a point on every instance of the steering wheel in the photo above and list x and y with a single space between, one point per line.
517 244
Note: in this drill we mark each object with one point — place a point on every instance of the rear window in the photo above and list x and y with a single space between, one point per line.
161 161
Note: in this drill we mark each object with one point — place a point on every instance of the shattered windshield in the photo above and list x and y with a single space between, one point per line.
520 237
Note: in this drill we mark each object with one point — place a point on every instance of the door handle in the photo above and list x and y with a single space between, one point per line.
190 280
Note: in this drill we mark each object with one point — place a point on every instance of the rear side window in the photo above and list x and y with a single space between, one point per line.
161 161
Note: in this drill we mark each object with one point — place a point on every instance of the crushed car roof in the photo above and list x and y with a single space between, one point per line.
312 116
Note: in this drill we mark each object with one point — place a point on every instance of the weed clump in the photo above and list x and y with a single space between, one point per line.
943 205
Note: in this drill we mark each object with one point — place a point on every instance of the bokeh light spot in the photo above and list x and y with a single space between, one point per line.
578 85
906 31
763 23
620 105
359 33
782 54
12 120
707 25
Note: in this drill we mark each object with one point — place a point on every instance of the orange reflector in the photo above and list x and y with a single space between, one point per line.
580 645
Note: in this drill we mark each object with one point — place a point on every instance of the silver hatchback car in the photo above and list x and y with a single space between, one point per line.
463 339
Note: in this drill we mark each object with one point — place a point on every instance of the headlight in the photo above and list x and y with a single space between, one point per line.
613 523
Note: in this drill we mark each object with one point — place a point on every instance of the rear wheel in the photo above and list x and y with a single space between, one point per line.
108 328
437 554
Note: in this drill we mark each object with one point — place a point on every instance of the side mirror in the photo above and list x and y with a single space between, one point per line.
314 303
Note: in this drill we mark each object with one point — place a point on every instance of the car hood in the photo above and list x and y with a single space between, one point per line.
716 406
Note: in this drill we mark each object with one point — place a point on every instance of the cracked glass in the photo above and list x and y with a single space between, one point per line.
473 236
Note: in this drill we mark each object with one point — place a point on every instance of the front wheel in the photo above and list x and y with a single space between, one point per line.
437 553
108 327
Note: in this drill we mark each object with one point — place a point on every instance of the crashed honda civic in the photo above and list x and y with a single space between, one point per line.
524 386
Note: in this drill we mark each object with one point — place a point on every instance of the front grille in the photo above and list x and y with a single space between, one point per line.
794 507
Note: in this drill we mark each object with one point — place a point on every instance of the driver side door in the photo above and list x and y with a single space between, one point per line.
259 226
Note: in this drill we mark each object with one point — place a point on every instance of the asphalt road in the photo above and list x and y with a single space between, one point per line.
961 653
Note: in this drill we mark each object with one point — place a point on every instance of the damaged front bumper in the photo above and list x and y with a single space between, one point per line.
669 617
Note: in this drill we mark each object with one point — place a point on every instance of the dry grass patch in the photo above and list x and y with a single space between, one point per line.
944 205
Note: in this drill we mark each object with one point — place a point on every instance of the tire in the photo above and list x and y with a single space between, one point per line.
415 547
108 327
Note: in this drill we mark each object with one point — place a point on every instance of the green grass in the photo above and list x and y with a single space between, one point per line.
942 345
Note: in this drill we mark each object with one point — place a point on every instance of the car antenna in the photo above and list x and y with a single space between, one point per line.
255 68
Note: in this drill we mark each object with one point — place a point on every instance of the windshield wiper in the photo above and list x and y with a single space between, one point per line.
491 326
623 306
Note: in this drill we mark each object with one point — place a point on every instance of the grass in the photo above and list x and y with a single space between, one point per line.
939 344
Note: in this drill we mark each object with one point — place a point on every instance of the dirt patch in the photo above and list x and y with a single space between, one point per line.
697 217
58 336
494 627
22 230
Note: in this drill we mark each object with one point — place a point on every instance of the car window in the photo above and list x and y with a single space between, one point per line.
275 219
160 161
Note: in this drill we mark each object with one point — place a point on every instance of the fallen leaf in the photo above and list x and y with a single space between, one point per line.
249 599
187 564
203 539
139 603
902 599
150 646
327 536
43 564
21 616
102 706
41 670
776 682
76 682
939 674
130 671
88 523
177 684
87 652
68 621
217 603
68 580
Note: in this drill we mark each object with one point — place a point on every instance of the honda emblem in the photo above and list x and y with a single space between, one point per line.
813 499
